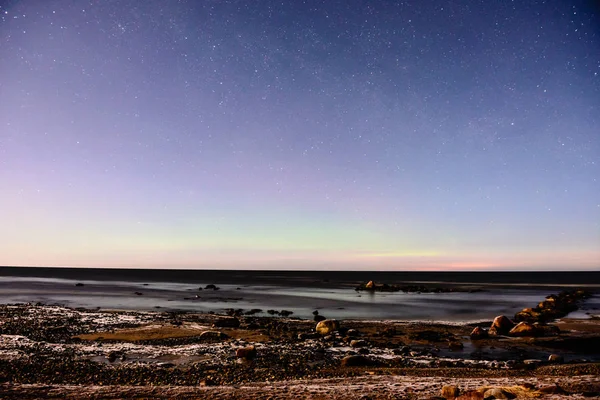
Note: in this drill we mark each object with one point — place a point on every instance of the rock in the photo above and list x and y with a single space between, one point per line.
556 359
551 389
501 325
524 329
449 392
316 312
355 361
213 335
479 333
211 286
285 313
455 346
79 284
138 293
497 393
528 314
471 395
370 285
112 356
319 318
358 343
352 333
248 353
227 322
327 326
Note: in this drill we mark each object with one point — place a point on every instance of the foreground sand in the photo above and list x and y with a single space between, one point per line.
58 352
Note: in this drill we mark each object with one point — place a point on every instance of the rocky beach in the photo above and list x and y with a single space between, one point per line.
53 351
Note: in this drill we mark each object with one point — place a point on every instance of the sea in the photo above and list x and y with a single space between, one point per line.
481 295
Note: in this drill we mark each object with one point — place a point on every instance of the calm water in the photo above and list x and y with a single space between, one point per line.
332 293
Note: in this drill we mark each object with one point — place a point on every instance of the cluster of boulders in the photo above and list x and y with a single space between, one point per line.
384 287
452 392
554 306
532 321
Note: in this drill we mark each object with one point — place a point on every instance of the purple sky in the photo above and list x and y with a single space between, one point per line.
302 134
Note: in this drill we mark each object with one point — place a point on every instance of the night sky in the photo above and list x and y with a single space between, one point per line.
375 135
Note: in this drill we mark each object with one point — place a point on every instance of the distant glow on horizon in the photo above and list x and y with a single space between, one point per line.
270 135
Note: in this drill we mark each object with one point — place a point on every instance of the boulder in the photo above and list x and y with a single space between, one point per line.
370 285
501 325
327 326
213 335
528 315
355 361
524 329
551 389
478 333
455 345
449 392
556 359
358 343
319 318
211 286
498 393
248 353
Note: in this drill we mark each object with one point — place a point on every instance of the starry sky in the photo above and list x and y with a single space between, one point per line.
343 134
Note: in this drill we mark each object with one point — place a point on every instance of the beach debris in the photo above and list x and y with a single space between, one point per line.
525 329
450 392
501 326
479 333
248 353
327 326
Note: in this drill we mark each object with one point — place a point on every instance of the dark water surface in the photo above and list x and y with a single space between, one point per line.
331 292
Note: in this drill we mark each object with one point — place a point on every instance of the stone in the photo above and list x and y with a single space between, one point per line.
471 395
501 325
79 284
327 326
524 329
358 343
455 345
556 358
497 393
355 361
551 389
478 333
248 353
370 285
213 335
449 392
352 333
319 318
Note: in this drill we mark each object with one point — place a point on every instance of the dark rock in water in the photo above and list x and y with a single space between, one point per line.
355 361
316 312
501 325
449 392
285 313
253 311
272 312
112 356
248 353
138 293
79 284
479 333
319 318
554 306
211 286
227 322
